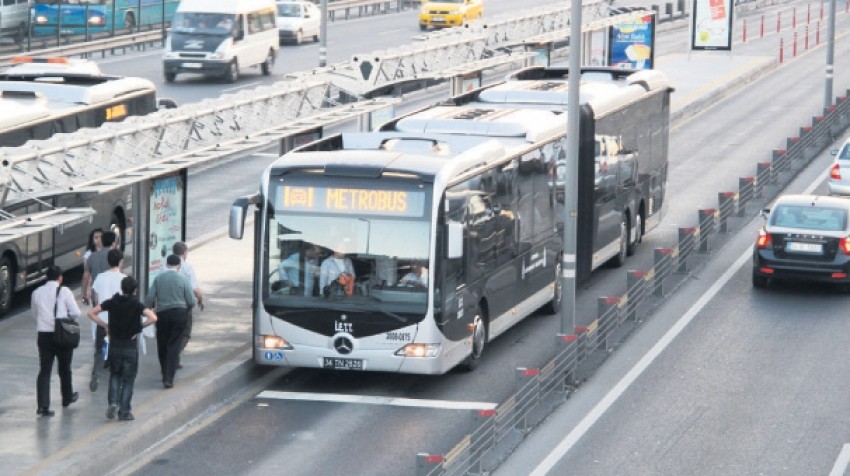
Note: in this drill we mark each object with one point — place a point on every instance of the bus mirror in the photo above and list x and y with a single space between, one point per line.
455 236
237 217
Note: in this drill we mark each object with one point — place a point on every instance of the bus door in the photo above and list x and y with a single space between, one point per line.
608 214
454 304
39 248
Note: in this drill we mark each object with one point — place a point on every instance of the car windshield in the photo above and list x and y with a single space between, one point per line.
807 217
204 23
288 10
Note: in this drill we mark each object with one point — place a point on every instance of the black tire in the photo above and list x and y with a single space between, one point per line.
7 284
554 306
759 281
637 231
170 77
232 73
423 27
479 342
619 259
268 64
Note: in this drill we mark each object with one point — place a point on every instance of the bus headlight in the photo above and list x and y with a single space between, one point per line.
96 21
273 342
419 350
41 19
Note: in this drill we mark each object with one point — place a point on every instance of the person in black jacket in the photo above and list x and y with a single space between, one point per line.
125 312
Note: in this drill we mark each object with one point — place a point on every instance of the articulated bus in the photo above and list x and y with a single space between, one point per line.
442 229
72 17
37 100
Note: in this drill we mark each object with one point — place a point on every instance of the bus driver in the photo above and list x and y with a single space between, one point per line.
336 276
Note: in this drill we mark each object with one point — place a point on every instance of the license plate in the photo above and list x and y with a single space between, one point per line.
804 247
438 19
193 65
342 364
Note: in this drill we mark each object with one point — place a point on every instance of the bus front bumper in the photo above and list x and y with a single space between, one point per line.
363 359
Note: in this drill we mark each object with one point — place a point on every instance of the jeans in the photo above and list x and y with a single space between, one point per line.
123 365
47 352
99 336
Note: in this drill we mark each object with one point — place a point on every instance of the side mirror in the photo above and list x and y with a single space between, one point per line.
834 152
238 211
166 103
764 213
455 240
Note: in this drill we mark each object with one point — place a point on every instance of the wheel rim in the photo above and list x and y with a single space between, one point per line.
558 284
5 286
478 337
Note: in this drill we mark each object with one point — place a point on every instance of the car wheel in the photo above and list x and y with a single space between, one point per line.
636 235
759 281
232 73
169 77
423 27
268 64
7 285
554 306
479 340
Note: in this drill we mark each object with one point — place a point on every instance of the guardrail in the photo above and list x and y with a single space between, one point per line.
494 434
138 41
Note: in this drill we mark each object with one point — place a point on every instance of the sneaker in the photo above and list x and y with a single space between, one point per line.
95 381
126 417
45 412
110 412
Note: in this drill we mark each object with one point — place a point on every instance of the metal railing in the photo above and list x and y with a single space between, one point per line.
494 434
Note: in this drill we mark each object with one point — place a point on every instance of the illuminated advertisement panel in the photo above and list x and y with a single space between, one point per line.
632 43
166 220
711 26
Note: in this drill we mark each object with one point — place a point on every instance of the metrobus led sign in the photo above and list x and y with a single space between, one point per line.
352 200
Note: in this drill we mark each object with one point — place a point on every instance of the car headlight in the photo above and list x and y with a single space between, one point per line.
419 350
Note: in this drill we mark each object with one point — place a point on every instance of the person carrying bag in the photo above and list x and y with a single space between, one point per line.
52 306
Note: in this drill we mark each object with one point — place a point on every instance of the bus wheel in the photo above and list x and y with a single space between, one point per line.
130 20
479 339
554 306
620 258
268 64
232 73
636 235
7 285
170 77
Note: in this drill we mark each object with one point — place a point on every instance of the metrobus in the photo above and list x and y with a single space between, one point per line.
37 100
72 17
446 223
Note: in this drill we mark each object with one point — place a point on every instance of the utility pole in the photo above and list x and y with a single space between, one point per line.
323 45
568 279
830 53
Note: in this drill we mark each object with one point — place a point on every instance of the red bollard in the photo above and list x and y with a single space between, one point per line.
744 34
778 21
806 42
808 12
794 48
794 18
761 35
817 34
781 51
821 10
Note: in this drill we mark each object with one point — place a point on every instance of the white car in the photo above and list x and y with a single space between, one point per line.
839 171
297 20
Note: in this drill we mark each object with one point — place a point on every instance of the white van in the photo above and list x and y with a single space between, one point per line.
218 37
13 19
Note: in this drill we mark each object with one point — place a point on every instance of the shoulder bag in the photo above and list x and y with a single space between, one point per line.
66 331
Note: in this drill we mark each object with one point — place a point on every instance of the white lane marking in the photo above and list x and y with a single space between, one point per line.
841 463
266 154
369 400
241 86
611 397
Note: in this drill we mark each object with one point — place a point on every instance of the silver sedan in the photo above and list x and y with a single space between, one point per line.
839 171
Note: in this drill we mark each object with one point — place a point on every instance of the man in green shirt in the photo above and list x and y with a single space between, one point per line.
172 297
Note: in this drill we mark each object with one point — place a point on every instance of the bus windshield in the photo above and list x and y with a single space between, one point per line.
373 261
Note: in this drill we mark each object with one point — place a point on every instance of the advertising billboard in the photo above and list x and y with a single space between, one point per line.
711 27
631 43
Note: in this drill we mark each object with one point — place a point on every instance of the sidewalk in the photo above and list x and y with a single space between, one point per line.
217 362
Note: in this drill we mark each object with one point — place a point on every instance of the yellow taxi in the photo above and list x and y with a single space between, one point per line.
448 13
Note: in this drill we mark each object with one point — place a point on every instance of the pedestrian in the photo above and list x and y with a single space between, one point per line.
95 243
49 301
182 250
124 325
172 297
97 263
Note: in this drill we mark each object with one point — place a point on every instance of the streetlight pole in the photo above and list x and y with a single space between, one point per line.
830 54
568 278
323 45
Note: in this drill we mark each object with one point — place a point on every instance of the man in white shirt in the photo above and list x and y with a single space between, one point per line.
181 249
106 285
48 302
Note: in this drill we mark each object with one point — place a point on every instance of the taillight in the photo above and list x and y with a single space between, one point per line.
763 240
844 246
835 172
